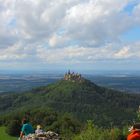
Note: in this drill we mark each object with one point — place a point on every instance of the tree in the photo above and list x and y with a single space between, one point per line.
14 128
138 114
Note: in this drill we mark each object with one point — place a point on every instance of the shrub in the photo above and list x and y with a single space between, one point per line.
94 133
13 128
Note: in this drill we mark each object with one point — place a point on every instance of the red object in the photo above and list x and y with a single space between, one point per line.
134 135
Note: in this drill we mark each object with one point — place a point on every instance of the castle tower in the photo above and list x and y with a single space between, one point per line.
68 71
73 76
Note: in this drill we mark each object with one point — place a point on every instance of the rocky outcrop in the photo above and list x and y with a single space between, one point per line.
44 136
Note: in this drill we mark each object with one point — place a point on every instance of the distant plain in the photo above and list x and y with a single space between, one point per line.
20 82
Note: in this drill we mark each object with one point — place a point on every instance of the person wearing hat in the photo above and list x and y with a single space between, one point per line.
134 132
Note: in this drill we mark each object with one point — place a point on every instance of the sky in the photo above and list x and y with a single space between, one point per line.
70 34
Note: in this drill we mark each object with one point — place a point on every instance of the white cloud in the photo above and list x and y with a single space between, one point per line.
12 53
136 12
96 21
57 40
123 53
63 31
89 55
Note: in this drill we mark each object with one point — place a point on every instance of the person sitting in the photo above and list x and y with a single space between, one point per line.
135 132
39 130
26 128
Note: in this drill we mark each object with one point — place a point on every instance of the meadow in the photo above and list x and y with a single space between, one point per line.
5 136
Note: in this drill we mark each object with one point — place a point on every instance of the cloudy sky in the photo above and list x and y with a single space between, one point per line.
75 34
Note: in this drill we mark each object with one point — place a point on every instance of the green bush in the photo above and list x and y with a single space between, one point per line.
94 133
13 128
67 126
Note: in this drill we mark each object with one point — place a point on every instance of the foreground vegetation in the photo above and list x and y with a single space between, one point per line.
68 127
63 124
4 135
89 132
94 133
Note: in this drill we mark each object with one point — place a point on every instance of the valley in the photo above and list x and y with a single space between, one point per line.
25 82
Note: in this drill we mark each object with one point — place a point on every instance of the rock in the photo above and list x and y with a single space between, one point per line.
50 135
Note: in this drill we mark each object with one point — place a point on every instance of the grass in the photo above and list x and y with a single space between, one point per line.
4 136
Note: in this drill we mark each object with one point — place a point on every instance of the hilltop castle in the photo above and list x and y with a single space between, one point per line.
73 77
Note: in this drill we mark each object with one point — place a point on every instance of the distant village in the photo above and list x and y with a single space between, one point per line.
71 76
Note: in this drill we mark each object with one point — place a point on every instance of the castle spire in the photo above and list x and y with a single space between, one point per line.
68 71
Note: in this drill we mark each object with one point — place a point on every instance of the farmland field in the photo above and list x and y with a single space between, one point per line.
25 82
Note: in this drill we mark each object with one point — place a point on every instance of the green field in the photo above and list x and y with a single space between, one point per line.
4 136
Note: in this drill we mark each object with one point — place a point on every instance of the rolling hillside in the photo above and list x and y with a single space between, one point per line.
85 100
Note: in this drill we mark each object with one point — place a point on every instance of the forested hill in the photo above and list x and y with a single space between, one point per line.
84 99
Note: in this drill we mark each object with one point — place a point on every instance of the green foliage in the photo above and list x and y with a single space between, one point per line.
64 124
94 133
85 101
5 136
13 128
138 114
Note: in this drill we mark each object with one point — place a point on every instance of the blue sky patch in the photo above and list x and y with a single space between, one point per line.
131 35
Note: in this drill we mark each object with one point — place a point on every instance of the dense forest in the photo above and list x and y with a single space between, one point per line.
65 107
